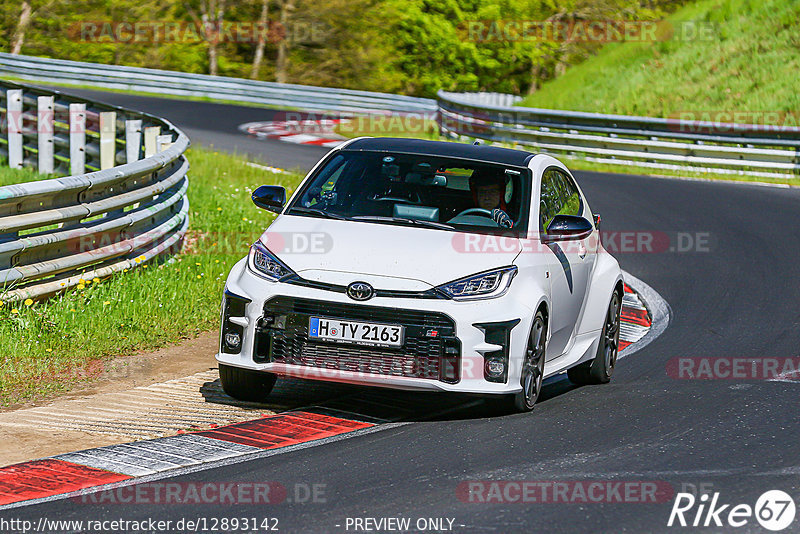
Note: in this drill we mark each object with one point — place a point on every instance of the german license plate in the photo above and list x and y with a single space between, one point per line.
373 334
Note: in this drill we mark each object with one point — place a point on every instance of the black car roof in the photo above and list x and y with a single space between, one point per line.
489 154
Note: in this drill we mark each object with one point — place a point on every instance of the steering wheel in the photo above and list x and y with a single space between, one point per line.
476 211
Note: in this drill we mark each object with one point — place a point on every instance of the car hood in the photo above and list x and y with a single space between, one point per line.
386 256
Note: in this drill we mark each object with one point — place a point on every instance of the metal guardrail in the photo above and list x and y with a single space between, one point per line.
764 151
305 97
129 208
489 99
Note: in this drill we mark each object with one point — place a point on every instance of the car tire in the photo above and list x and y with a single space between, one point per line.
246 385
532 374
600 369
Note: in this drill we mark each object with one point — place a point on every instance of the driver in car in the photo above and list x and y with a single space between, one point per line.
488 193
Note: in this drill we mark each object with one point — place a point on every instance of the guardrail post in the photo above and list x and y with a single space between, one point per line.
14 121
77 139
163 142
151 134
108 139
133 140
45 130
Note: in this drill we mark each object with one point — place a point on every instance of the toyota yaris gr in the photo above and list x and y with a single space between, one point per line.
424 265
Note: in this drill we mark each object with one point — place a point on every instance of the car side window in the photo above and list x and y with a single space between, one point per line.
569 198
559 196
549 200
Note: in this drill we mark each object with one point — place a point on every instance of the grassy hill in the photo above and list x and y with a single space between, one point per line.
751 63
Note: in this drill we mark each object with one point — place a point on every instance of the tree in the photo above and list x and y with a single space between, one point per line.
287 8
22 26
263 21
211 22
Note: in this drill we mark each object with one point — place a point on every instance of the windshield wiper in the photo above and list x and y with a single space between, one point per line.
403 220
317 212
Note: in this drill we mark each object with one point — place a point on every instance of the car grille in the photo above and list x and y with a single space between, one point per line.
282 337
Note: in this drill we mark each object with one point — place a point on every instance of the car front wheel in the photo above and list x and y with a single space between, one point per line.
532 366
532 374
246 385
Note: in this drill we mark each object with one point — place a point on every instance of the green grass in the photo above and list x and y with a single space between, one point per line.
10 176
51 345
750 64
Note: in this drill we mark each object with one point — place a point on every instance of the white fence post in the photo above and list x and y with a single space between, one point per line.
133 139
14 121
108 139
45 124
77 139
151 134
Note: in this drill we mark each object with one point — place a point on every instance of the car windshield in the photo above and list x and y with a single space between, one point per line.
418 190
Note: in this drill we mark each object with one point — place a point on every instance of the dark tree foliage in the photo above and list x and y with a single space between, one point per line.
408 46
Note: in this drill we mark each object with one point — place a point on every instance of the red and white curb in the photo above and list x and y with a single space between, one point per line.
645 316
635 320
67 473
303 132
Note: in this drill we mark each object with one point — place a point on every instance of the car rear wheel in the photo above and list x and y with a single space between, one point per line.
600 369
246 385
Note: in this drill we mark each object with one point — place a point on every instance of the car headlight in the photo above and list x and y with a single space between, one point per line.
487 285
265 263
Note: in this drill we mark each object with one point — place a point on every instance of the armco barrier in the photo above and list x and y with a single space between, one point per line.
658 143
161 82
130 206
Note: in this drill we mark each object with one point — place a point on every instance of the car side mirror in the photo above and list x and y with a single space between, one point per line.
270 197
568 228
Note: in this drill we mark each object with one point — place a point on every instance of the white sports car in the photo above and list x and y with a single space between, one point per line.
424 265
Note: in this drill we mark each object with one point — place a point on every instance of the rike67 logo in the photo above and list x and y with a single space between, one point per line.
774 510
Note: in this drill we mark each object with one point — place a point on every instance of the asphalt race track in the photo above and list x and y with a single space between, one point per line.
215 125
737 299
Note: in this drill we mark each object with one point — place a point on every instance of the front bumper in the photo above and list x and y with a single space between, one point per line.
454 322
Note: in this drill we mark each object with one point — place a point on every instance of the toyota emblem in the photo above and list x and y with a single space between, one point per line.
360 291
